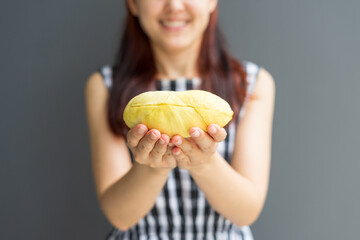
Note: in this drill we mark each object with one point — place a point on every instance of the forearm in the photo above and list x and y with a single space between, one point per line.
130 198
228 192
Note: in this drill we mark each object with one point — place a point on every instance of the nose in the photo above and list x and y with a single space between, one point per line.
175 5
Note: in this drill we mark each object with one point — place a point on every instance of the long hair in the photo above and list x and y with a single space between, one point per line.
134 70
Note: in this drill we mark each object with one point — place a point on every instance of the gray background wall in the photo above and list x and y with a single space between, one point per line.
49 48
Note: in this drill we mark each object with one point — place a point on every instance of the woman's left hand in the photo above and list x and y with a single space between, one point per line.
198 150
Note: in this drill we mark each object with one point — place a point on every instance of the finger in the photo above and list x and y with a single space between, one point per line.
160 148
216 132
204 141
146 144
168 158
135 134
186 146
182 160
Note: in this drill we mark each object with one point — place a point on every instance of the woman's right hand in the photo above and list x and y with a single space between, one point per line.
151 148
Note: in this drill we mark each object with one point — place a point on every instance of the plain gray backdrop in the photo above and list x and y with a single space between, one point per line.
49 48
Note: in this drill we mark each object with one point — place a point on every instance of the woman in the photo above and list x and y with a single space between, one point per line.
212 185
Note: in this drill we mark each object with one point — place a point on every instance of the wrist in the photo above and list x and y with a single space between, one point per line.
152 170
204 168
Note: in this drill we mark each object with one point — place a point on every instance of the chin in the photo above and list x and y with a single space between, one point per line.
177 46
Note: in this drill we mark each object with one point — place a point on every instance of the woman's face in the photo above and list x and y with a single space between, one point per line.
173 24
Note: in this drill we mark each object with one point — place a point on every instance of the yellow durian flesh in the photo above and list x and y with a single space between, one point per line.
174 113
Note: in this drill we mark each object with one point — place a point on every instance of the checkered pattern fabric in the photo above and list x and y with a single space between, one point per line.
181 210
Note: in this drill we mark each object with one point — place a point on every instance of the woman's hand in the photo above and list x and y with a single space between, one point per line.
151 148
198 150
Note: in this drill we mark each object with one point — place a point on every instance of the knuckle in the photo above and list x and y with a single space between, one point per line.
223 135
131 144
157 151
208 147
190 149
167 158
152 165
144 147
140 160
130 134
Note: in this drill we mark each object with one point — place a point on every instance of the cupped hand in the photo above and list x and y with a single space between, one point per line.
151 148
198 150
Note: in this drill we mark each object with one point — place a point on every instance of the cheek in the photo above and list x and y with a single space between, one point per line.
199 9
148 23
202 22
148 15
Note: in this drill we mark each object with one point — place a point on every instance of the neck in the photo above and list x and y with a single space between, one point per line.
175 64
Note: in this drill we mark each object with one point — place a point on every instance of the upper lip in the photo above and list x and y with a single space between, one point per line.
174 20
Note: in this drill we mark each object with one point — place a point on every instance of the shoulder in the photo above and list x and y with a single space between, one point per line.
265 84
99 81
94 85
96 94
260 80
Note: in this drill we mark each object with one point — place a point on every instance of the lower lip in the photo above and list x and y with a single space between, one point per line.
174 29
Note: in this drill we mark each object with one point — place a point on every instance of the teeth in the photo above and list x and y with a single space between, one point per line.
174 23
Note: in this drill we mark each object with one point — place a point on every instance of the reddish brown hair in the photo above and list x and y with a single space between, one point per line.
134 70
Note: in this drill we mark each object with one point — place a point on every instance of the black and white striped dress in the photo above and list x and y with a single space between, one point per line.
181 210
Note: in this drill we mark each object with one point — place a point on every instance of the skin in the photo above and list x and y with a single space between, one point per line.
126 191
151 148
175 51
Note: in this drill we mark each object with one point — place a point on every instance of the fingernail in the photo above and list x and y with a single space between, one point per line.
161 141
212 130
153 136
141 130
178 142
195 133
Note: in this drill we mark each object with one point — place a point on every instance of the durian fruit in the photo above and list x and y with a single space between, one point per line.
174 113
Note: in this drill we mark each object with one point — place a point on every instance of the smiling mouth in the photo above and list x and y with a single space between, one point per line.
174 25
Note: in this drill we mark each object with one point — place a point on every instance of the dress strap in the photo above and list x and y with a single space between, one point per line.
252 72
106 73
